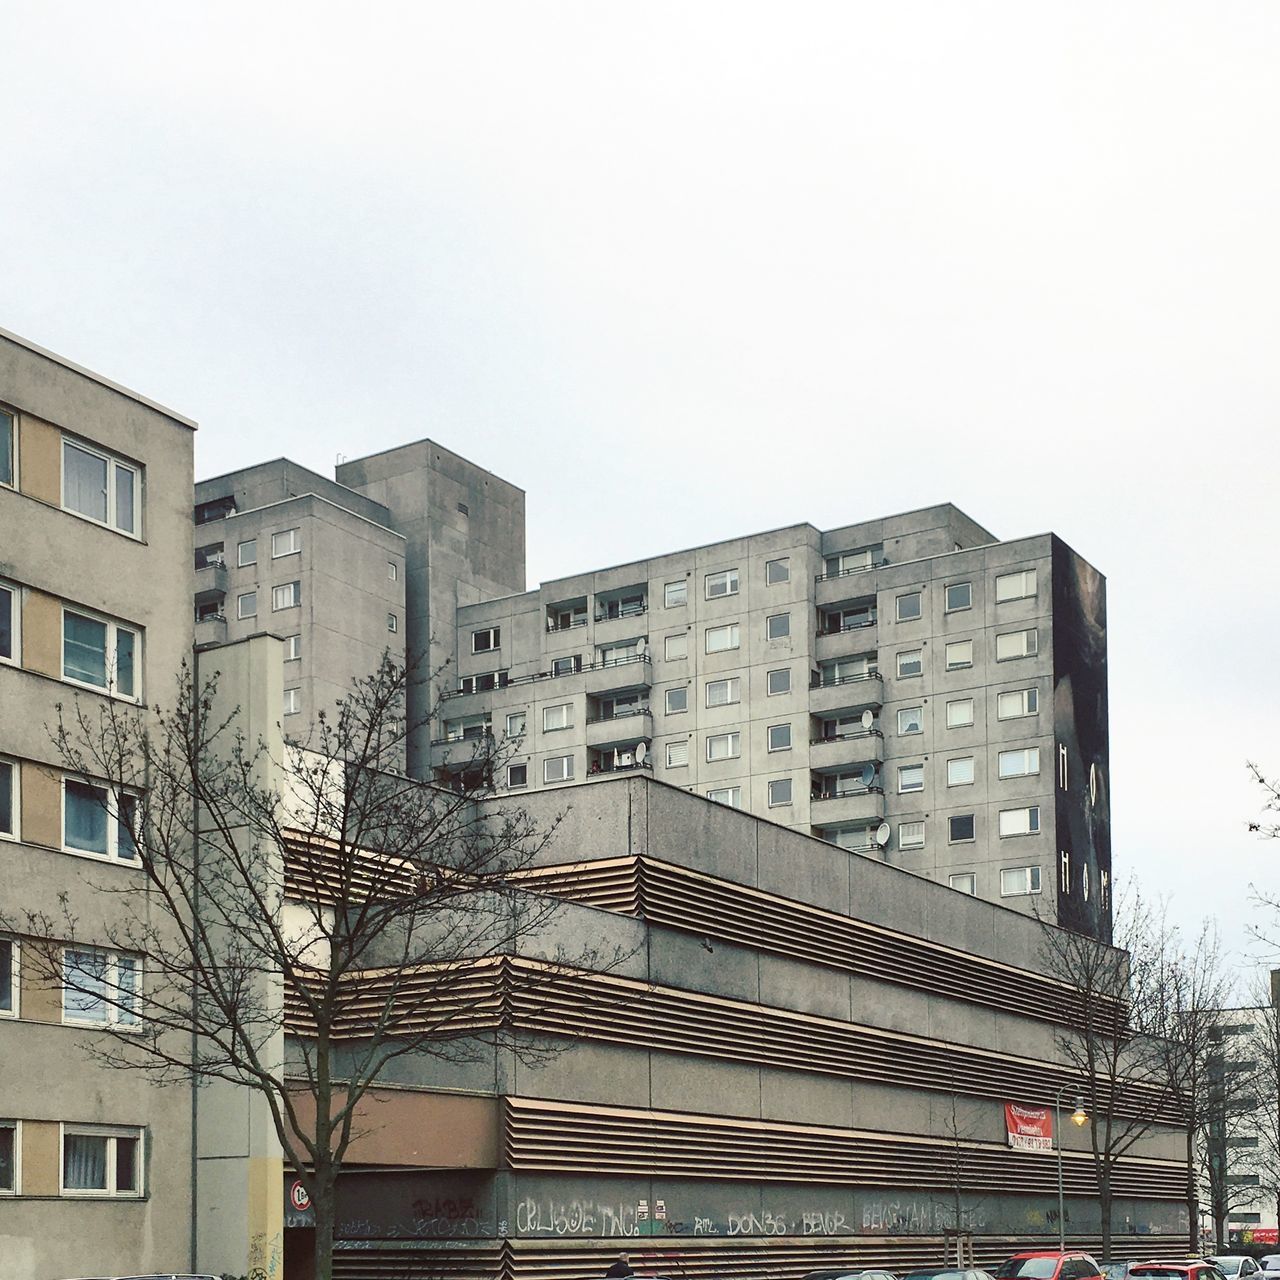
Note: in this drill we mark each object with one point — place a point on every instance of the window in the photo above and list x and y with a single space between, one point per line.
6 451
286 543
247 605
1019 880
778 682
288 595
777 626
393 571
292 701
910 777
910 663
557 769
1017 644
99 653
721 638
247 553
9 651
959 654
674 594
675 647
100 487
516 721
100 987
1015 586
483 682
677 700
1020 822
293 648
776 571
851 562
730 796
566 666
958 595
393 623
485 639
964 882
723 746
677 754
628 606
720 693
614 655
959 713
910 606
101 1162
960 828
8 1157
209 555
558 717
8 980
911 835
910 720
779 792
1019 763
960 771
1019 702
517 775
724 583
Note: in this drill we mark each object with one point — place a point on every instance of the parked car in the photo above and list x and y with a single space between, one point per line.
852 1273
1235 1266
1195 1269
1118 1270
1048 1264
949 1273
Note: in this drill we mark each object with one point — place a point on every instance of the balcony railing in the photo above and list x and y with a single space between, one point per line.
630 611
847 626
874 790
602 665
602 766
818 682
848 573
621 714
847 737
553 625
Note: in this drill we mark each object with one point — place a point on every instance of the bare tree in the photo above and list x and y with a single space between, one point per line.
311 892
1122 1078
1264 1049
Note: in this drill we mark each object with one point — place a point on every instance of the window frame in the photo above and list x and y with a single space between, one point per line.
15 1127
1032 879
112 1133
567 708
947 606
733 692
903 841
769 691
733 738
494 635
957 666
790 791
682 689
111 655
681 589
1002 776
511 783
1023 593
114 464
292 706
677 764
241 616
295 592
768 736
667 655
241 561
904 769
959 703
293 647
566 760
769 579
15 798
1027 695
734 793
730 628
14 592
15 981
918 597
1025 634
732 584
512 731
295 542
970 876
114 1016
770 626
393 623
112 811
1032 812
952 818
918 654
964 782
906 711
12 459
393 571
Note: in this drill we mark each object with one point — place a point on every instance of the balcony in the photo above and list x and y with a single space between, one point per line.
211 630
844 639
620 727
611 675
566 615
832 751
616 607
211 581
621 759
829 808
846 693
460 751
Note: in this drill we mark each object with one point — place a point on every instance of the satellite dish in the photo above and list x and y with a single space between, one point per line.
642 750
883 832
868 774
868 719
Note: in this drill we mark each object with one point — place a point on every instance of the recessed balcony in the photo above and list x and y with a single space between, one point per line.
846 693
211 580
830 808
855 747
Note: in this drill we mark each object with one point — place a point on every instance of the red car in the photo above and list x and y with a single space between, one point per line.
1197 1269
1048 1264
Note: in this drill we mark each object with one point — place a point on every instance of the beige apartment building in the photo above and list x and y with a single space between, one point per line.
95 548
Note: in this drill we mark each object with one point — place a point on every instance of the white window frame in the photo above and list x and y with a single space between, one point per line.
960 780
293 647
520 764
113 1015
294 597
775 792
768 736
912 841
393 571
732 687
947 606
243 561
292 548
730 630
548 718
111 1133
292 701
729 578
680 590
730 797
785 563
770 631
903 770
241 615
111 656
112 810
15 1127
674 762
1027 754
959 645
494 635
971 839
675 648
15 798
12 416
956 712
964 882
733 741
770 691
1032 882
393 623
1029 701
676 711
918 655
114 464
15 982
1018 585
565 761
14 592
517 724
1021 822
1030 644
918 596
907 711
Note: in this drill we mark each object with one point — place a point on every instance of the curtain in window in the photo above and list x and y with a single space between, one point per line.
84 1162
84 985
84 482
86 817
84 649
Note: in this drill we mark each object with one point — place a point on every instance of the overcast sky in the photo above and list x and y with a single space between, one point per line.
684 272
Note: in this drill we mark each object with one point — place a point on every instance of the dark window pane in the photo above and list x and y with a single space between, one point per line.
84 649
125 482
6 799
6 975
6 623
962 826
84 482
6 448
86 817
126 1164
7 1160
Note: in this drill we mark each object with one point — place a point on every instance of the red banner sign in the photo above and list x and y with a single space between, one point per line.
1029 1128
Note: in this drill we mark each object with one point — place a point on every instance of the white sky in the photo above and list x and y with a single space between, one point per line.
721 268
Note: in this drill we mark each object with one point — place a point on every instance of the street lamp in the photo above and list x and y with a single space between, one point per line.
1079 1118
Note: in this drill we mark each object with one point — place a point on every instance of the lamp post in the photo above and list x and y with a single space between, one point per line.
1079 1118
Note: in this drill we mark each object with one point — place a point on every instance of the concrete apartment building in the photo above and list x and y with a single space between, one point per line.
95 554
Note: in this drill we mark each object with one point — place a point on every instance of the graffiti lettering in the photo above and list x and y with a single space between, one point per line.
823 1224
